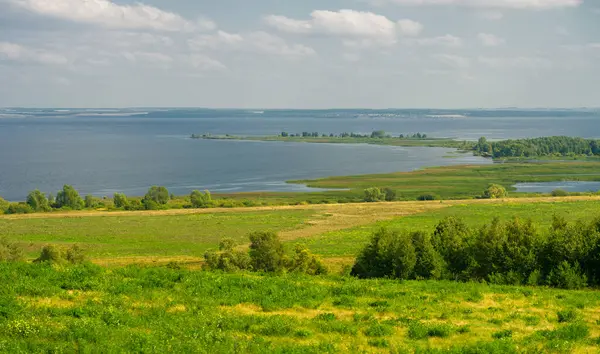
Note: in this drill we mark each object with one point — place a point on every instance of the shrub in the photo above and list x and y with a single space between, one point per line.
567 276
420 330
389 194
10 252
507 333
3 205
452 240
305 262
559 193
379 330
567 316
19 208
68 197
430 264
373 194
159 195
120 200
38 201
495 191
228 259
90 201
570 332
266 252
428 196
75 255
389 254
57 255
200 200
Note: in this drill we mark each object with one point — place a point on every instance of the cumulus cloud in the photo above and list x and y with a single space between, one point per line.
16 52
490 40
447 40
348 24
453 60
494 4
213 41
111 15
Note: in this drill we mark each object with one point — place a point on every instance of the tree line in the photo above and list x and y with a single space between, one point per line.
516 252
558 146
68 198
378 134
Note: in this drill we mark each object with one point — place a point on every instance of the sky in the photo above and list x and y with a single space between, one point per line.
300 54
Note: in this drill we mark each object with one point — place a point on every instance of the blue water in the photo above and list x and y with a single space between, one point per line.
102 152
568 186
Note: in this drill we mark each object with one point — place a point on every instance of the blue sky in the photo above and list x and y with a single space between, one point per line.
300 54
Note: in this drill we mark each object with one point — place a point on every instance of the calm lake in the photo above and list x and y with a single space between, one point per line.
102 152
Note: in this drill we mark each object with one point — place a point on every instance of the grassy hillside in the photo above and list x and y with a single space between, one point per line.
158 310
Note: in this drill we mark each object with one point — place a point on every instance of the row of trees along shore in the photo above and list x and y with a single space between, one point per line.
68 198
558 146
378 134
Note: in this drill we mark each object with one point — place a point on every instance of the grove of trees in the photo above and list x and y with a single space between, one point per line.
516 252
558 146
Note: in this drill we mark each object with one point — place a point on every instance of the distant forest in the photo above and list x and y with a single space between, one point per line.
556 146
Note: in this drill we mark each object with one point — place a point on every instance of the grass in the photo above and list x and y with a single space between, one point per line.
147 234
348 242
157 309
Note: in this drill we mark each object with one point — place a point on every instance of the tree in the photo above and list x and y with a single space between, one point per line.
228 259
373 194
494 191
158 195
38 201
120 200
90 201
389 254
200 200
389 194
3 205
284 134
68 197
10 252
266 251
378 134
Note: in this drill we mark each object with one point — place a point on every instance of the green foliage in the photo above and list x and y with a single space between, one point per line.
3 205
10 252
228 259
378 134
156 195
546 146
38 201
68 197
507 333
495 191
305 262
90 201
390 194
19 208
266 252
389 254
201 200
58 255
567 276
120 200
569 315
429 265
559 193
428 196
420 330
373 194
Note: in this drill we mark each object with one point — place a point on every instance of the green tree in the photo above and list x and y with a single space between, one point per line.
228 259
3 205
373 194
266 251
38 201
200 200
495 191
389 194
159 195
90 201
68 197
10 252
378 134
120 200
430 264
306 263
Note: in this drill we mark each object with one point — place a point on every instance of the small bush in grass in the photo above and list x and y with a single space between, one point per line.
570 332
75 255
228 259
10 252
428 196
120 200
303 333
567 316
567 276
57 255
420 330
495 191
507 333
379 343
559 193
19 208
374 195
305 262
325 317
379 330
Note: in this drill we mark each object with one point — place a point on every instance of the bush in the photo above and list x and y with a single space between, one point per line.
57 255
200 200
305 262
68 197
373 195
75 255
120 200
3 205
430 264
38 201
389 254
428 196
559 193
389 194
159 195
228 259
567 276
266 252
19 208
90 201
495 191
10 252
567 316
419 330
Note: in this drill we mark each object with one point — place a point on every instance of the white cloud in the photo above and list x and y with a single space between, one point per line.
203 62
108 14
516 62
16 52
491 15
490 40
348 24
272 44
221 38
447 40
453 60
497 4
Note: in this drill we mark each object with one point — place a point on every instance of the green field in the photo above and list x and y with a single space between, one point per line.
156 310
